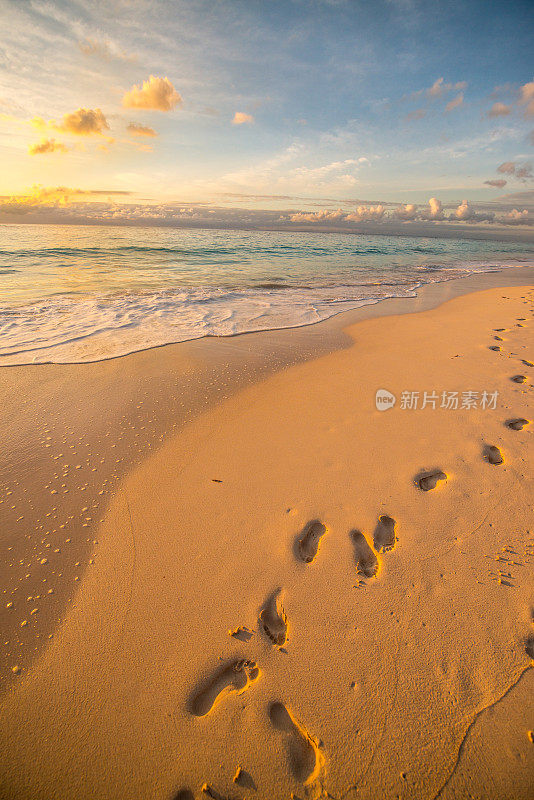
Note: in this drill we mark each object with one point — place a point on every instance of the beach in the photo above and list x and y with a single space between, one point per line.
262 585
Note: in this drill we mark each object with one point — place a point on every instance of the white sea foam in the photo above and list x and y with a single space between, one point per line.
65 329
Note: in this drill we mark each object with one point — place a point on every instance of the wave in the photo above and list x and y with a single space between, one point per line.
77 329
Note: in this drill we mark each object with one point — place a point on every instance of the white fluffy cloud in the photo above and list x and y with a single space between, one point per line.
156 94
367 214
407 212
516 217
435 209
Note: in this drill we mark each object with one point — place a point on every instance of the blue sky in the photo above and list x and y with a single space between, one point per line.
388 101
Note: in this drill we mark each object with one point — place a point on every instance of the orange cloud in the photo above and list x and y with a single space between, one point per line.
47 146
140 130
499 110
105 50
455 103
526 98
85 122
157 94
240 118
82 122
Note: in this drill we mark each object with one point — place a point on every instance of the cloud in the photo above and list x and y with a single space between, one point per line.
435 209
455 103
65 205
82 122
516 217
465 213
499 110
418 114
157 94
366 213
47 146
85 122
521 171
140 130
105 50
407 212
498 184
240 118
438 88
526 98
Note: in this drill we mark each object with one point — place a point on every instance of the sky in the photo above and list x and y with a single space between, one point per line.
334 111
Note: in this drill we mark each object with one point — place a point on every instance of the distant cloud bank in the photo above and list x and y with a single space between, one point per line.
62 205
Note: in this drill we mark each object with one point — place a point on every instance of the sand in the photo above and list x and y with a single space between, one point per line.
287 596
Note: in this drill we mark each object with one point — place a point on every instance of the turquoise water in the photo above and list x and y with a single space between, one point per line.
81 293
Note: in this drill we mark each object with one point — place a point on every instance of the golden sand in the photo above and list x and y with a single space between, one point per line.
299 593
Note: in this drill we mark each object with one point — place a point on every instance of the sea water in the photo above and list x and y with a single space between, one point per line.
83 293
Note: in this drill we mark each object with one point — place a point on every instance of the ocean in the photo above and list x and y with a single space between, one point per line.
83 293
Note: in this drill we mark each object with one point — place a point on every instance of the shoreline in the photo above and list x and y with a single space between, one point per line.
421 290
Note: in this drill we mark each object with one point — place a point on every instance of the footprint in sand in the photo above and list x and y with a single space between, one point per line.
234 678
527 363
184 794
494 347
493 455
366 559
519 378
305 757
384 537
273 619
429 480
517 424
308 543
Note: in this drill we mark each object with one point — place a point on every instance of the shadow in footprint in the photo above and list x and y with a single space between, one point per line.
233 678
244 779
529 645
273 620
305 758
429 480
243 634
493 455
517 424
384 536
184 794
494 347
307 542
366 558
518 378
